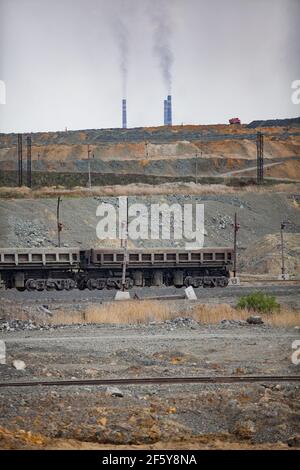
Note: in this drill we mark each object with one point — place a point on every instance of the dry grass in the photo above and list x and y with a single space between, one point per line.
143 312
140 189
146 311
283 318
212 314
128 312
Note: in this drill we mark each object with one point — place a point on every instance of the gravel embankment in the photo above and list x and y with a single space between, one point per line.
252 414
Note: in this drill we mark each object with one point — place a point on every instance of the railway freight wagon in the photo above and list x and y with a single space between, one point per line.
60 268
39 268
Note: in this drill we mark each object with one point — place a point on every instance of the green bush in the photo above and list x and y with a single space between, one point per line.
259 302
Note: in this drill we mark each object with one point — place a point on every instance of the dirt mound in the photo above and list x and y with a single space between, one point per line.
290 169
27 440
160 151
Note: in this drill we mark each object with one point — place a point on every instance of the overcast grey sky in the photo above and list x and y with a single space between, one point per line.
68 63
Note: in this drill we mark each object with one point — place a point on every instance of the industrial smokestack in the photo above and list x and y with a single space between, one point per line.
169 110
124 114
165 113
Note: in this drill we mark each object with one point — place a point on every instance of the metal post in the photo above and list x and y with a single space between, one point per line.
197 162
124 266
20 160
29 176
89 168
59 224
125 246
146 150
282 226
260 157
236 229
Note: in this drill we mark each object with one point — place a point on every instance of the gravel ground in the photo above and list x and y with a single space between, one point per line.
251 414
167 416
287 294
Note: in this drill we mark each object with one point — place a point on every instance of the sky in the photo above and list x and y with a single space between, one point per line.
69 63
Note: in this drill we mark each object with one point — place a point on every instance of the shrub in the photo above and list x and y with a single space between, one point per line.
259 302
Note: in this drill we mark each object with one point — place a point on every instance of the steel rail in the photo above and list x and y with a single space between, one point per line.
156 381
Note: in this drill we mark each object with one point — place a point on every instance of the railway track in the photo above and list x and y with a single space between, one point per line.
156 381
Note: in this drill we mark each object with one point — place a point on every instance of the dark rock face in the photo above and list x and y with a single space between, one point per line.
275 122
255 320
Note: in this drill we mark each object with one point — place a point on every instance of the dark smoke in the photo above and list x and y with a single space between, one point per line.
160 17
121 31
122 38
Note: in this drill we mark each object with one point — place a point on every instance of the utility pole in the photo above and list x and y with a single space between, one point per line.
124 265
197 157
20 160
29 165
89 168
146 149
125 254
236 227
59 224
260 157
282 227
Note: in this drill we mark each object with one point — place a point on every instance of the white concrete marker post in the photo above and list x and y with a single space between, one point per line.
2 352
283 277
122 295
190 293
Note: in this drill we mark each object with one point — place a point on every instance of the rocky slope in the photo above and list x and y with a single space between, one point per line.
32 223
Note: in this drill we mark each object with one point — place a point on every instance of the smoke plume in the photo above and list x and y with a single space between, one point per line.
122 42
121 31
160 17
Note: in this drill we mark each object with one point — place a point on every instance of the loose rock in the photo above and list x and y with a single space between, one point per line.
19 365
114 392
255 320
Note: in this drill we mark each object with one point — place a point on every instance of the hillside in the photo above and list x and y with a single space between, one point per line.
158 152
32 222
